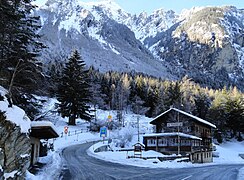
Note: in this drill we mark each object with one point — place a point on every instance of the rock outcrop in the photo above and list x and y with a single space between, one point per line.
15 150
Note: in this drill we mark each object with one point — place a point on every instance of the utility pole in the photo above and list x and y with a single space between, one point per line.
138 131
178 133
138 128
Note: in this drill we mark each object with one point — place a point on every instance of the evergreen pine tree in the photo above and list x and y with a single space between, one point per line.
19 47
202 104
73 91
174 95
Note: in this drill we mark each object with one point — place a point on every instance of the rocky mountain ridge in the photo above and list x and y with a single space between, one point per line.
102 41
205 43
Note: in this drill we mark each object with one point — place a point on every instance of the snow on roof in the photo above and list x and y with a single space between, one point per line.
139 143
44 124
195 117
172 134
14 114
187 114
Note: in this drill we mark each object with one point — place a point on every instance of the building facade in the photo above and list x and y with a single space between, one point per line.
178 132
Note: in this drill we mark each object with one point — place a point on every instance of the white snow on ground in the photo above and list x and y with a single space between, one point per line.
241 174
228 152
10 175
14 114
53 160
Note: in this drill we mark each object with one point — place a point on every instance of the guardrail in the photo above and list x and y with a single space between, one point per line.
75 132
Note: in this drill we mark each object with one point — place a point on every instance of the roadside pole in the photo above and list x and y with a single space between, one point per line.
66 128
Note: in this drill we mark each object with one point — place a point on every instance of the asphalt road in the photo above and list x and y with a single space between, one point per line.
80 166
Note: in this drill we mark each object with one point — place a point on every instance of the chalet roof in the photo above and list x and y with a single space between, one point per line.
172 134
43 130
187 114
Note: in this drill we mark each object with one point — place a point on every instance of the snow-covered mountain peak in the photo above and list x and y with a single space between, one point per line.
109 4
187 13
106 7
205 23
145 25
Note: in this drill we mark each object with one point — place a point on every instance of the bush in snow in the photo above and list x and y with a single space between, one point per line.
95 125
122 137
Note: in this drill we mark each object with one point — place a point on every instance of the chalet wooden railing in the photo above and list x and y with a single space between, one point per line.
205 135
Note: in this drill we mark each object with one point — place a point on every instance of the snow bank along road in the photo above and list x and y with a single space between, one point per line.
80 166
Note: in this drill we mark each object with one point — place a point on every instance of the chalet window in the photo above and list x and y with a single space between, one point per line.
151 142
185 142
196 143
197 128
188 129
162 142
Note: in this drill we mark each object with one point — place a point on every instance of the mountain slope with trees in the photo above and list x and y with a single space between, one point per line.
151 96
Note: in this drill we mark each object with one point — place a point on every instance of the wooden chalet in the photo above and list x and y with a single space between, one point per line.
178 132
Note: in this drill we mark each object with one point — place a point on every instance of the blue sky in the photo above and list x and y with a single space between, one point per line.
137 6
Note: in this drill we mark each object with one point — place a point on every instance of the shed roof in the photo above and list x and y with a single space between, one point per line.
139 143
43 130
187 114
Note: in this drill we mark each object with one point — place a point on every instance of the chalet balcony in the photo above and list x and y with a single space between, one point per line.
205 135
203 148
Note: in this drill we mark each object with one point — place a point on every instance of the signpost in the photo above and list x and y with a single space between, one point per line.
66 129
109 117
103 132
109 124
177 124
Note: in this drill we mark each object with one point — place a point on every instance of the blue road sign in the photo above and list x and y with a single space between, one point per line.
103 132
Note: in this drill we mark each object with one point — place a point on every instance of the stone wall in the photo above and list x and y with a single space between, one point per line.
15 150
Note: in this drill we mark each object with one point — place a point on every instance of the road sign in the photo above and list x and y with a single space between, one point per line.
66 129
103 132
174 124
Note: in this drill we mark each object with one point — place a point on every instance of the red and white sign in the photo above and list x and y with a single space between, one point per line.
66 128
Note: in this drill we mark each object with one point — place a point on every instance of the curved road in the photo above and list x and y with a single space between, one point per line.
80 166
